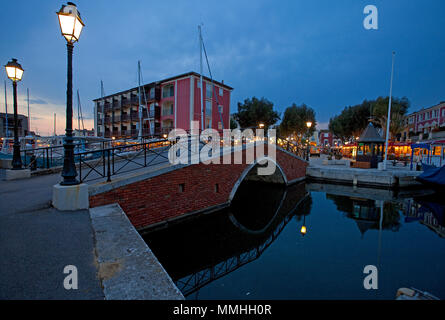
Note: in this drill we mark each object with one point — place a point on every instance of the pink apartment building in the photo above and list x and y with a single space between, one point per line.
424 121
170 103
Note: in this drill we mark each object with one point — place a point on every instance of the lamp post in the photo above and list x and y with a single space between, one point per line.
15 72
308 125
71 26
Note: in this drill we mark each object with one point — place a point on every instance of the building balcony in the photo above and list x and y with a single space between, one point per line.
116 105
107 108
100 122
125 117
117 118
125 133
107 119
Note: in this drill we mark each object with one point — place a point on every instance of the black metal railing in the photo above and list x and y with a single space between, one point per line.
150 150
49 157
121 159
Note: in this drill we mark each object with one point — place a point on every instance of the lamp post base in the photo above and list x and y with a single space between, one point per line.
14 174
70 198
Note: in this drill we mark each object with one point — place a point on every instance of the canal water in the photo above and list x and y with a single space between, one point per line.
256 249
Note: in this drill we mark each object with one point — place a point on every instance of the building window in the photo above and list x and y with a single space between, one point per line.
221 92
209 91
168 91
220 125
167 109
209 108
152 93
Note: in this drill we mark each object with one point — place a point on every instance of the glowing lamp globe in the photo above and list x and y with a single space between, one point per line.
14 70
70 22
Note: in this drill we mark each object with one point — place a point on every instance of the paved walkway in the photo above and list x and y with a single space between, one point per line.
37 242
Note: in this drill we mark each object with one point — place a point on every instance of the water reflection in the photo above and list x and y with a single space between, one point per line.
364 205
291 237
218 244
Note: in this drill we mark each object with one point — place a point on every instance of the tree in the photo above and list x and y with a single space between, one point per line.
351 121
255 111
294 120
399 107
233 123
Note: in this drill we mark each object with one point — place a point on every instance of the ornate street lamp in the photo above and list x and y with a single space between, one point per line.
71 26
15 72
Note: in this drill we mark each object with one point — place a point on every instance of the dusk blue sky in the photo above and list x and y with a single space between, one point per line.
316 52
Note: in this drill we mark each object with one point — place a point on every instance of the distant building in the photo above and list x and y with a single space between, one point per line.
328 139
170 103
22 125
424 122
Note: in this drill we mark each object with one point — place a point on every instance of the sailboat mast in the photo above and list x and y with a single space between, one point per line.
140 106
6 107
202 92
54 124
102 93
29 118
78 111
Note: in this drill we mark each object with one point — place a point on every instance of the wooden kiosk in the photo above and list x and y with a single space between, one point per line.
369 148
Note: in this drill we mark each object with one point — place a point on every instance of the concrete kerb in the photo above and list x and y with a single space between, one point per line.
364 177
128 269
11 174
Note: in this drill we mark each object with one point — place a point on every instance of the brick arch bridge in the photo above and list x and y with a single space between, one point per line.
156 199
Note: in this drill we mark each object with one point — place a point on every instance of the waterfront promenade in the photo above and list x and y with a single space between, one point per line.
38 241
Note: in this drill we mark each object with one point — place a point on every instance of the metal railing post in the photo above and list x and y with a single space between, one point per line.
103 160
108 161
112 159
145 154
80 168
47 158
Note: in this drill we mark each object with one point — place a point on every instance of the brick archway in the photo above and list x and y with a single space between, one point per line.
158 199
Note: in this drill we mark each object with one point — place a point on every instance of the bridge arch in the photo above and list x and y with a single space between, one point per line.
251 167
